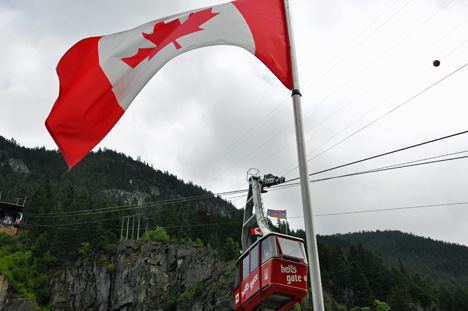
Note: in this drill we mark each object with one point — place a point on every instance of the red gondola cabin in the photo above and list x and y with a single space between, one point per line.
271 274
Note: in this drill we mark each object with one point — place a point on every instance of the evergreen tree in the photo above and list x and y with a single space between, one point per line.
357 281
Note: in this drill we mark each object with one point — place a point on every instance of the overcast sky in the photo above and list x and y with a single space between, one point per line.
368 86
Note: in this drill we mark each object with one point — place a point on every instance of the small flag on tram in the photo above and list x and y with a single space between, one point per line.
277 213
100 76
255 231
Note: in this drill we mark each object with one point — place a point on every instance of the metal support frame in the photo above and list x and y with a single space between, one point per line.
254 216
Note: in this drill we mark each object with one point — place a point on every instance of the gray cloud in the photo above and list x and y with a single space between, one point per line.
211 114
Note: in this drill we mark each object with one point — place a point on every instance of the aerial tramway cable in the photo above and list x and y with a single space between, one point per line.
286 183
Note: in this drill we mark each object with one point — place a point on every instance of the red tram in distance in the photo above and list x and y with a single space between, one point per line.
271 274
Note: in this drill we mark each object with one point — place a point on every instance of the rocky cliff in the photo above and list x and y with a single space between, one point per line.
147 276
13 302
142 275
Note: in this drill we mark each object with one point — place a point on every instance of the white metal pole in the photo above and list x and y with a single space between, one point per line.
121 231
128 221
138 230
312 250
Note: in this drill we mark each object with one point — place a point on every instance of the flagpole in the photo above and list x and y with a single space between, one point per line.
312 250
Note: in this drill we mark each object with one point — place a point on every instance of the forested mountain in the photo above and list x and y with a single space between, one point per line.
439 262
104 173
107 192
355 271
79 215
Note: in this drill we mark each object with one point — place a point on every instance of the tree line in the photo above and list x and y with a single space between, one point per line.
70 215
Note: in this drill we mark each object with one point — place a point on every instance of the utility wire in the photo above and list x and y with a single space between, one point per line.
271 155
282 131
268 117
249 133
290 217
382 169
365 39
139 206
386 209
257 126
384 115
279 187
385 154
144 206
436 41
391 168
385 53
354 39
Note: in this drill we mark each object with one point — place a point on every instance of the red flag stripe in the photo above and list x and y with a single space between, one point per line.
276 57
85 102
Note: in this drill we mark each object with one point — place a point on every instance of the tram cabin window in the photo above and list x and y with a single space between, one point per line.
292 250
245 267
269 249
237 279
254 258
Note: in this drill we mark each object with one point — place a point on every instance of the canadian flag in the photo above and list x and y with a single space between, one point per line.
255 231
100 76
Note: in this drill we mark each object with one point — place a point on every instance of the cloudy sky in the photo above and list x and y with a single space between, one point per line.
368 85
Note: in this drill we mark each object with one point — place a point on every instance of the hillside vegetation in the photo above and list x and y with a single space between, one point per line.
81 214
88 203
439 262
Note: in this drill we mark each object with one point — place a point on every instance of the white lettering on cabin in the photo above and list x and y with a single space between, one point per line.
288 269
293 278
255 279
246 288
290 278
249 286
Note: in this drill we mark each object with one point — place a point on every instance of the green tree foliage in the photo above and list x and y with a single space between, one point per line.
438 262
80 213
158 234
21 270
231 250
367 277
59 211
381 306
357 281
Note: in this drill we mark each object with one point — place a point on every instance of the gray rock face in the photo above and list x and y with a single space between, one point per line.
147 276
17 165
12 302
135 197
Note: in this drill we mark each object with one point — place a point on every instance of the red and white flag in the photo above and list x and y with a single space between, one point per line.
100 76
255 231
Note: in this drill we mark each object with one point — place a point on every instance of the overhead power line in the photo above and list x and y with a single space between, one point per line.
384 115
282 106
390 168
385 154
280 187
390 209
282 131
142 207
63 226
392 110
138 206
369 89
382 169
364 40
